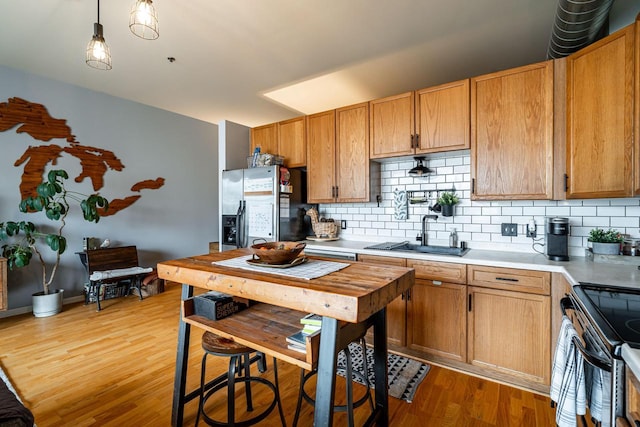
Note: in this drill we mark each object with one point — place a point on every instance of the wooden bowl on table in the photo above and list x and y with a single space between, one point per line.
277 252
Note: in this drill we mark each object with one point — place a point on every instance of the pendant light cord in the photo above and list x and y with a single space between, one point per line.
98 11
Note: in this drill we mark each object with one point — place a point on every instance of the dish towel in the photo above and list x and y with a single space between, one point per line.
597 381
567 377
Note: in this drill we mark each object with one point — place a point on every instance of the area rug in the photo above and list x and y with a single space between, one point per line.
405 375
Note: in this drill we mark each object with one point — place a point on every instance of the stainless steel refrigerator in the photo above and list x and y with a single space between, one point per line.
263 204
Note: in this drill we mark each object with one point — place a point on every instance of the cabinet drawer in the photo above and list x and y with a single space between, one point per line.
535 282
385 260
441 271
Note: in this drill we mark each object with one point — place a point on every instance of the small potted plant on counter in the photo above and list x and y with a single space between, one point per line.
24 239
447 200
605 242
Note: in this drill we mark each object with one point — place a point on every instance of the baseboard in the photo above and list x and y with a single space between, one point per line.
29 309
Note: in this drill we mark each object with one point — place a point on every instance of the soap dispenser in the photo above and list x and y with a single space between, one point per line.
453 238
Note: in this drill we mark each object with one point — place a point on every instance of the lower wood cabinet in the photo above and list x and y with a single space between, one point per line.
437 319
632 393
509 331
437 310
396 310
490 321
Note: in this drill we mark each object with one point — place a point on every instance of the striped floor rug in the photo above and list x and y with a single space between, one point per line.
405 375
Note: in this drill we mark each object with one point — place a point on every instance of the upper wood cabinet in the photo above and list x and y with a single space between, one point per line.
292 142
321 152
392 126
286 138
425 121
442 117
636 142
600 118
512 133
265 137
338 168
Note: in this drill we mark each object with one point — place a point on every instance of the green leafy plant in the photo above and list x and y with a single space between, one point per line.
448 198
598 235
24 237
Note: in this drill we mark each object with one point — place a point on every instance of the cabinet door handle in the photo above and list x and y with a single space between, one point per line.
507 279
437 282
566 182
337 188
417 141
412 141
470 299
473 186
409 295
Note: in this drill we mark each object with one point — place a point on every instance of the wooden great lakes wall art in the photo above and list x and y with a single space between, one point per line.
34 120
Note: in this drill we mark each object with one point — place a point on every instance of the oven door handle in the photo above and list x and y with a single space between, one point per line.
591 358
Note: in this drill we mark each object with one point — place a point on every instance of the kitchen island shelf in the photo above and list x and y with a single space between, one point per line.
263 327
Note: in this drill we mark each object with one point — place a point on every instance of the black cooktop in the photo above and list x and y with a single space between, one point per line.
619 307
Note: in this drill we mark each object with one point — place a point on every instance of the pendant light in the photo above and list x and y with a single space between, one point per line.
98 53
143 20
420 169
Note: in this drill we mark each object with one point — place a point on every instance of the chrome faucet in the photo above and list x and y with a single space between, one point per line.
423 241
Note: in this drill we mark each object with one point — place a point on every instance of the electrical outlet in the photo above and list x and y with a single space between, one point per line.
343 224
532 229
509 229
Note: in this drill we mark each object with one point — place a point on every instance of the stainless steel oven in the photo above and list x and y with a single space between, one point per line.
605 317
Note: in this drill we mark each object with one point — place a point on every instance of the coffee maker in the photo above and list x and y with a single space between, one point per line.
557 238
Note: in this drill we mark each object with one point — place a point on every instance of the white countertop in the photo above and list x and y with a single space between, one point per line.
578 269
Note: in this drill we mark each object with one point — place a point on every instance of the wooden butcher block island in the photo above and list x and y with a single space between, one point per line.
350 300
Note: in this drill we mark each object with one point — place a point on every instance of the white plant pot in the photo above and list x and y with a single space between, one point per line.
47 305
605 248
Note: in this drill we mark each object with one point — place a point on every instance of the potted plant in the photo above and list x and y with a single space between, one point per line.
605 242
24 238
447 200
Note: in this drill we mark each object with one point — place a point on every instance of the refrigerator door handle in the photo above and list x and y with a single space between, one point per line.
244 224
239 226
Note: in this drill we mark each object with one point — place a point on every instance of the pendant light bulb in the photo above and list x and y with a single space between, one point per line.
143 20
98 54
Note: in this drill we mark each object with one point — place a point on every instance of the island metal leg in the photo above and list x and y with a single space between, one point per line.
381 414
182 358
326 385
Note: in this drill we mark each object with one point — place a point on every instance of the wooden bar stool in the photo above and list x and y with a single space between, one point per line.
239 372
349 374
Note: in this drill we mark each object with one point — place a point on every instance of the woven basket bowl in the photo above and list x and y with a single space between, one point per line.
325 229
277 252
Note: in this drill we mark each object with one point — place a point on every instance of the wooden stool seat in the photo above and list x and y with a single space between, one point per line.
239 373
220 345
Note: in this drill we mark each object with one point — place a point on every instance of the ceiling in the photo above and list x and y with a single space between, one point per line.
230 53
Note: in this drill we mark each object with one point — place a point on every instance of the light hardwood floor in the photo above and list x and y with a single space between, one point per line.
116 367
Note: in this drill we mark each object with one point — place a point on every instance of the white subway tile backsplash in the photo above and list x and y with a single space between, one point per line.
595 221
611 211
625 221
584 211
477 222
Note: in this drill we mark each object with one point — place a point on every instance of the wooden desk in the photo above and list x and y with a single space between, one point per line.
350 300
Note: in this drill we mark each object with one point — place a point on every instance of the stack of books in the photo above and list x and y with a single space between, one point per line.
311 325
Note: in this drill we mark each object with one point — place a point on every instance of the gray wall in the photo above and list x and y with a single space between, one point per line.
177 220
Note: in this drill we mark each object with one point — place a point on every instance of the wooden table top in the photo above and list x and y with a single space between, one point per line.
352 294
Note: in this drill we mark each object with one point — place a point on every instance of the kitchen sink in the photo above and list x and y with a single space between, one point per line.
428 249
